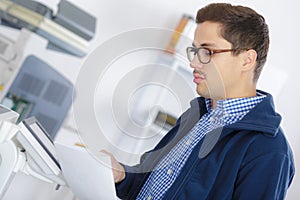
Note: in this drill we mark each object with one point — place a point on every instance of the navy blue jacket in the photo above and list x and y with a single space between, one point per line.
250 159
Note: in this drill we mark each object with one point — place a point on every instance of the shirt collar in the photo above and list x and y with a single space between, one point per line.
236 106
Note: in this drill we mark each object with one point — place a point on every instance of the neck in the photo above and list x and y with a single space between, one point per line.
249 93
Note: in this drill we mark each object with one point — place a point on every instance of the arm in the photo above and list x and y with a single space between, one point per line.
129 179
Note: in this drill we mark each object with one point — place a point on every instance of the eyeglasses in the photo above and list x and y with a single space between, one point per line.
204 54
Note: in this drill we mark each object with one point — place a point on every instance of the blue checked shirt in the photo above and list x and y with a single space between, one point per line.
227 112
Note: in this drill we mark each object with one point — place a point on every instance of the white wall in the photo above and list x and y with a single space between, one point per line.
281 72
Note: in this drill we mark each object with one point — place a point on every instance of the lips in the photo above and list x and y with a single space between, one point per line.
198 77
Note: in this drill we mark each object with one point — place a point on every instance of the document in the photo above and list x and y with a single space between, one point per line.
88 177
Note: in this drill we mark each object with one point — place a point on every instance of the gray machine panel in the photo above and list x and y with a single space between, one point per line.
75 19
40 91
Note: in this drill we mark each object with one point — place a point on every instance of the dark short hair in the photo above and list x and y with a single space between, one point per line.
242 27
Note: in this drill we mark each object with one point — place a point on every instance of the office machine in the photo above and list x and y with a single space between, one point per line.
68 31
25 147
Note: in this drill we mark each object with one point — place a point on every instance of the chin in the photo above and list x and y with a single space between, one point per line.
203 92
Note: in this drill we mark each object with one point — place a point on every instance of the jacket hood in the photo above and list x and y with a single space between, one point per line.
262 118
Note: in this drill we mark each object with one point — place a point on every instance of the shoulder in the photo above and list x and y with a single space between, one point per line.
264 145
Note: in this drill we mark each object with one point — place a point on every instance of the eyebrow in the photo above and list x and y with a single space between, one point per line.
204 45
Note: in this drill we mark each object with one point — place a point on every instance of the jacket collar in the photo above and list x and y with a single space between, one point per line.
262 118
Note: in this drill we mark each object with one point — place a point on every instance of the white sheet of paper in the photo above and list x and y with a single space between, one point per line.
88 178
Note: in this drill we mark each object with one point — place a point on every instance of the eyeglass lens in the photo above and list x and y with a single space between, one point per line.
202 54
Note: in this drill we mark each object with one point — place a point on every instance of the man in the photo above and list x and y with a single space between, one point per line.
229 144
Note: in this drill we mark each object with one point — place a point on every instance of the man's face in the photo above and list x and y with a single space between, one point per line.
218 79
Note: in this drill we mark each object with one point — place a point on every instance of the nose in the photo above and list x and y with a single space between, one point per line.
195 63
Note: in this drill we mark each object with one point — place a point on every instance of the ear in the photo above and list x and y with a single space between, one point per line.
249 60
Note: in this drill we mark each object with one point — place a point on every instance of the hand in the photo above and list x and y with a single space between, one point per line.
117 169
